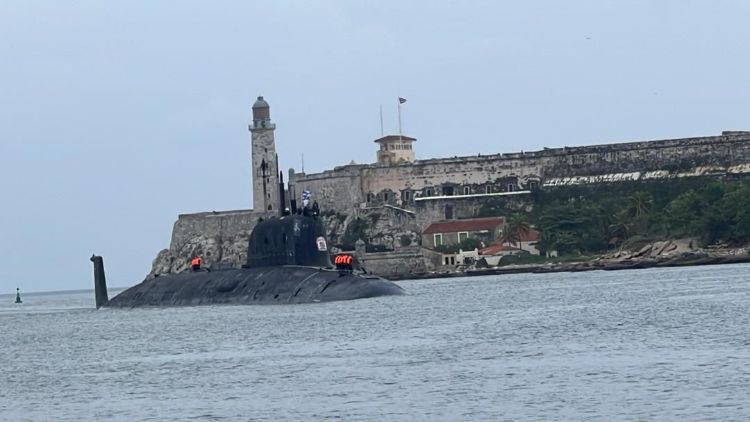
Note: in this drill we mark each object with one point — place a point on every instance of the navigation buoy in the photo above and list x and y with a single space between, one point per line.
18 295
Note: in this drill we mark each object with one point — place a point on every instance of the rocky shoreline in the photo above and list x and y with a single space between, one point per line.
656 255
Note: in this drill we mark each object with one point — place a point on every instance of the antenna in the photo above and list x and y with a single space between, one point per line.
303 162
382 133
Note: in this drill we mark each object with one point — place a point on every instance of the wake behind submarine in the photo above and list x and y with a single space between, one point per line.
288 262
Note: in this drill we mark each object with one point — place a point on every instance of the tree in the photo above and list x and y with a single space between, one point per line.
639 204
516 226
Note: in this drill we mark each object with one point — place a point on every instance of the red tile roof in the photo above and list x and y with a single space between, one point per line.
468 225
529 236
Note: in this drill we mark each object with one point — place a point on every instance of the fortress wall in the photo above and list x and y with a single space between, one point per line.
520 169
212 225
461 207
339 189
671 155
408 260
474 171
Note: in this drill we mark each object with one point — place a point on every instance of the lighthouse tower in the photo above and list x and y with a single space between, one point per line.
265 162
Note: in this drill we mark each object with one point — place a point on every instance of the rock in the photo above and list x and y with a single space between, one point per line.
644 250
659 247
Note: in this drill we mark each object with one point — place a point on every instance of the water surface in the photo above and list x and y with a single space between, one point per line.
650 344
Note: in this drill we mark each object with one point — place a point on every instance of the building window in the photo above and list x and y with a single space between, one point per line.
489 189
447 190
437 239
511 187
534 185
449 212
385 196
369 197
406 196
393 146
428 192
467 190
462 236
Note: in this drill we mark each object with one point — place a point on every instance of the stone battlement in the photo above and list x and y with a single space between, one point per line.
357 186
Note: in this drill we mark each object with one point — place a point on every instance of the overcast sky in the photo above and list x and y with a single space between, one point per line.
116 116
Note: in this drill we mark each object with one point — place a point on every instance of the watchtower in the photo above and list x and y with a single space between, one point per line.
264 159
395 149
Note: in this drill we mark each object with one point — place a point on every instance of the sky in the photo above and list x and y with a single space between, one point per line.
117 116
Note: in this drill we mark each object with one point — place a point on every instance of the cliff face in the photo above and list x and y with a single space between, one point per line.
221 239
225 251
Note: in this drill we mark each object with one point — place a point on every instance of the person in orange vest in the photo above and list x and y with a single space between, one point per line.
195 263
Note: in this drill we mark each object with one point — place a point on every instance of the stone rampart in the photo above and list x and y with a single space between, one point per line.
402 262
364 185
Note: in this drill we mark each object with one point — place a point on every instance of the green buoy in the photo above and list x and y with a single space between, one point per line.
18 295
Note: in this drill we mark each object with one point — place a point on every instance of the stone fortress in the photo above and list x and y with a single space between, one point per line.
400 195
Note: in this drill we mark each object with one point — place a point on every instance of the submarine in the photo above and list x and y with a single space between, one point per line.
288 262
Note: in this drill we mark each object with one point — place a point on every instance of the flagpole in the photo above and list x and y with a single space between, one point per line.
399 118
381 121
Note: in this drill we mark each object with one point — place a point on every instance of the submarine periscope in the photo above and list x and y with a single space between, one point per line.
288 262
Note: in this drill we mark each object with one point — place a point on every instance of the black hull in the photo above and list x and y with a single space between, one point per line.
254 286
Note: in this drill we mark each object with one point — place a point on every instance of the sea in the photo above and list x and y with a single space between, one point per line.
654 344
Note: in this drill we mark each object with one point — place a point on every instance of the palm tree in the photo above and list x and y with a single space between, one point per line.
639 204
516 226
621 226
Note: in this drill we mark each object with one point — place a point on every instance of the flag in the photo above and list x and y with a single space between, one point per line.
306 198
401 100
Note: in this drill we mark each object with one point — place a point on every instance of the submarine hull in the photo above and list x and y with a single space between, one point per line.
259 285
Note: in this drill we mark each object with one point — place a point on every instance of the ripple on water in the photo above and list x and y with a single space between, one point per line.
643 344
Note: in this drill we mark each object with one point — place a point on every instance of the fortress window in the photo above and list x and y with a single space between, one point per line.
385 196
467 190
511 187
369 197
489 189
534 185
428 192
406 196
448 190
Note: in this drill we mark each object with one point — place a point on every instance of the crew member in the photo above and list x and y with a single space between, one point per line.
195 263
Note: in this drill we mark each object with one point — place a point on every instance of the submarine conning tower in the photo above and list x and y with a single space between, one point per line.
289 240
